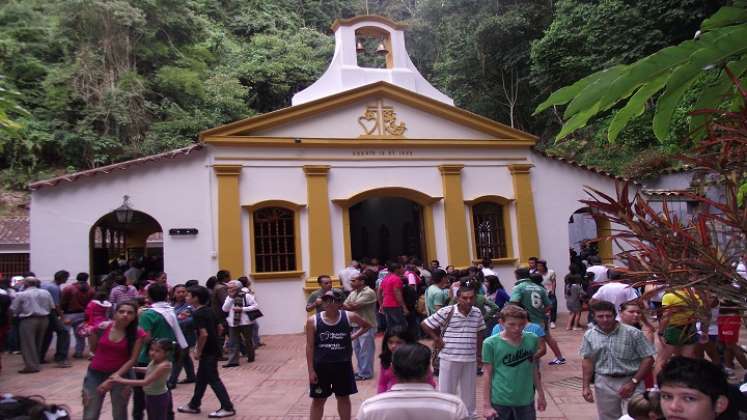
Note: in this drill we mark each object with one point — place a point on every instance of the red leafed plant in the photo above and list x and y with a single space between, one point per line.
662 249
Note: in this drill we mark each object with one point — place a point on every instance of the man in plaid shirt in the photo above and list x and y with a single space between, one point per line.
619 357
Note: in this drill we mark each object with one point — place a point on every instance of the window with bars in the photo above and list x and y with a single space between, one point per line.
490 234
14 264
274 240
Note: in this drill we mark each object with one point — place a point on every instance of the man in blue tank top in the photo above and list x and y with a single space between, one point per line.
329 351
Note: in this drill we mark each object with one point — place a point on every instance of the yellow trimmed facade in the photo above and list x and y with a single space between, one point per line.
328 154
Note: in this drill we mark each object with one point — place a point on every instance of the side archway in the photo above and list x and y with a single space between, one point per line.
588 233
111 241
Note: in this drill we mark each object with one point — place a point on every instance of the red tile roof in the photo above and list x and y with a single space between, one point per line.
584 167
14 231
121 166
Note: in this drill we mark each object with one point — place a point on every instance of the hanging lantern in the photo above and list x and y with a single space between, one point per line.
124 213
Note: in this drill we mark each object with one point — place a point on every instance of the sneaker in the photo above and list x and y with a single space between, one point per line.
479 371
361 378
64 364
27 370
222 413
552 325
187 409
557 361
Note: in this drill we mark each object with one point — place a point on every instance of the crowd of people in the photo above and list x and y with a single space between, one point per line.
141 332
646 353
642 351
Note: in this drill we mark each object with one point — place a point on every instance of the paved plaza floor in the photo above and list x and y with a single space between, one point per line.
276 387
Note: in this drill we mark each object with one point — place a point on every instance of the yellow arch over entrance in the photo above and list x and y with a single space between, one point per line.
424 200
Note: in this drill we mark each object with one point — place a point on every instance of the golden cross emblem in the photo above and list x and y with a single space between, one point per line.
381 120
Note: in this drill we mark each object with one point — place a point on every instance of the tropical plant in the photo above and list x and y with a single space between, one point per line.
718 45
663 249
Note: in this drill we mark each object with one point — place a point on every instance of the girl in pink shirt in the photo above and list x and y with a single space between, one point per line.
393 338
97 311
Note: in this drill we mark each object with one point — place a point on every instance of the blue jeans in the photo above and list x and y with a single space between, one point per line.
93 400
522 412
554 310
75 320
365 348
62 347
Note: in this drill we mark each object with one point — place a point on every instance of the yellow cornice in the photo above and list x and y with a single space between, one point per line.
316 170
405 96
413 195
450 169
520 168
497 199
363 142
273 203
227 170
363 18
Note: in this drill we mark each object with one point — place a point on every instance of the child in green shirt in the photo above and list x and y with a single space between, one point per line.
512 373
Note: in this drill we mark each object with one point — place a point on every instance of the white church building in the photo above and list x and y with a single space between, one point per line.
367 162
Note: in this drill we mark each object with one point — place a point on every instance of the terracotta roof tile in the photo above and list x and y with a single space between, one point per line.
14 231
121 166
585 167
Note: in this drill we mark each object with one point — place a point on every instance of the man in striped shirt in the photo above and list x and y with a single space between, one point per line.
459 354
412 397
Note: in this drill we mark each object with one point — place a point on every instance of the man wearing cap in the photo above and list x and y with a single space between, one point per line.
329 350
33 306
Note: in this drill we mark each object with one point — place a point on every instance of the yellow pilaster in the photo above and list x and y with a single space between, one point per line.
454 213
525 216
230 239
604 230
320 227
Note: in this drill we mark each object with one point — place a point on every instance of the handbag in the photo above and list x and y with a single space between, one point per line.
435 360
254 314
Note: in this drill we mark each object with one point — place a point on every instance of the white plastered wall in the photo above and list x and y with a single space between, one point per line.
174 192
557 189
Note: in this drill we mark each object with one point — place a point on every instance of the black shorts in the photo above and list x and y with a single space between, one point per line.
337 378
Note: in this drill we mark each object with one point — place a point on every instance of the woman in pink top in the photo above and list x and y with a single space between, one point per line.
116 346
97 311
393 338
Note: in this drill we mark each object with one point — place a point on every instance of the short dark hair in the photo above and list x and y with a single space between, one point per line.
521 273
223 276
696 374
394 266
120 279
532 259
201 293
61 276
536 278
603 306
467 287
411 362
191 283
82 277
322 276
437 276
157 292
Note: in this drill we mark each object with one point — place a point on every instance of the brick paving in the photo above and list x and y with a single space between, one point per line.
275 386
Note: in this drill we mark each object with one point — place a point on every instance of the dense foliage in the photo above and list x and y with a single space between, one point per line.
108 80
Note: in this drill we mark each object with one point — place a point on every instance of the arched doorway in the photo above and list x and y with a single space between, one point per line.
586 234
113 241
387 227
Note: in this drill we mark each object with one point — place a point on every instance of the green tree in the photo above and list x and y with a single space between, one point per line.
674 70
